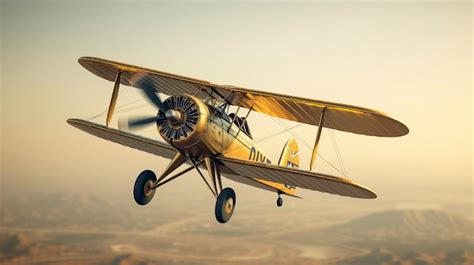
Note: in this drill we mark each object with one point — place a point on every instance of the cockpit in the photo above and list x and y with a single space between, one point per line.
241 122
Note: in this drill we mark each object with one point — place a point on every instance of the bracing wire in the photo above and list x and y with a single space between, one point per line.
269 136
338 151
281 123
118 109
102 113
334 145
307 144
277 133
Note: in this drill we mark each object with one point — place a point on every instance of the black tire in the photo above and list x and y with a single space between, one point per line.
141 190
280 201
225 205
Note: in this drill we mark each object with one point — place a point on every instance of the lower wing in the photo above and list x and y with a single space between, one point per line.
134 141
298 178
248 172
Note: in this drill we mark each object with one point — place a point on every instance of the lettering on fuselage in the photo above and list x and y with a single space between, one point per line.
255 155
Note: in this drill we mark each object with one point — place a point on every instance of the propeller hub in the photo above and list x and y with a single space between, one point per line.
184 122
174 116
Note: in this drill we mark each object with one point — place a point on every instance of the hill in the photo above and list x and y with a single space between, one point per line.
407 224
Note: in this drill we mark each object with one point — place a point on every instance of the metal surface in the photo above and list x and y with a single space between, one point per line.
174 116
157 185
240 148
194 125
316 141
203 178
197 131
289 156
218 175
338 116
113 99
299 178
250 182
134 141
177 161
211 170
243 121
235 115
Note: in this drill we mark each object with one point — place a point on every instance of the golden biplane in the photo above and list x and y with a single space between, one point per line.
199 131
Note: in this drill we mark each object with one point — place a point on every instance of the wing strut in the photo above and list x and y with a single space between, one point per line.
243 122
113 100
318 136
235 116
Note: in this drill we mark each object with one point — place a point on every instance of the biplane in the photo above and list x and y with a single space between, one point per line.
200 132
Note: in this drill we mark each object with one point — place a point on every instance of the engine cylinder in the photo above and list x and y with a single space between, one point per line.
186 121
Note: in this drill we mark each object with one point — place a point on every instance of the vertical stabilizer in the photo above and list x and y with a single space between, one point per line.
289 155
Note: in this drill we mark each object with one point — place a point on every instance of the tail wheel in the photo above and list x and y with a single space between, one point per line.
279 201
142 191
225 205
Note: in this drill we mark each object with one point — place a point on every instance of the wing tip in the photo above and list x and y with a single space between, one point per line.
372 195
406 129
84 59
73 121
403 129
368 193
76 123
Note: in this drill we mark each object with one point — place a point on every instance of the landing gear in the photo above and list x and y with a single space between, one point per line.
225 205
279 201
143 190
147 183
225 199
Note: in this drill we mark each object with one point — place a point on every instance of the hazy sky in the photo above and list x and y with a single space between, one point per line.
410 60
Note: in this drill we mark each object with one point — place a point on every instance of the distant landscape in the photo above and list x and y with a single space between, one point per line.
85 228
66 196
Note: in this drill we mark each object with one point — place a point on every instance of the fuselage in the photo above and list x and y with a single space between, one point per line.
215 134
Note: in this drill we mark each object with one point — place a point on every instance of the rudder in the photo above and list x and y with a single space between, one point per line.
289 156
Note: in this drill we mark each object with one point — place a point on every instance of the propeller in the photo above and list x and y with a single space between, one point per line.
177 118
145 83
147 86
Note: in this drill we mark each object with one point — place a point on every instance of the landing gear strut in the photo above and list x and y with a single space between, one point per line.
147 183
225 198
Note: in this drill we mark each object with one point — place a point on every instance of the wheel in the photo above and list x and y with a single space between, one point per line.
142 191
225 205
279 201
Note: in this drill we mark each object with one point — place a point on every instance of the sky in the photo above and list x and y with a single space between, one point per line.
410 60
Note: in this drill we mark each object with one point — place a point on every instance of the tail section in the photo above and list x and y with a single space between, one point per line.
289 158
289 155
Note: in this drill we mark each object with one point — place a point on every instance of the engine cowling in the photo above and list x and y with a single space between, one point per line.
185 122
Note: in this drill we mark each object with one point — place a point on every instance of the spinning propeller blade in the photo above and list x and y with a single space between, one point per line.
150 92
144 82
139 122
126 124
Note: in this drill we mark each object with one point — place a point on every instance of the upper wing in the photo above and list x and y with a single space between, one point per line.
337 116
123 138
298 178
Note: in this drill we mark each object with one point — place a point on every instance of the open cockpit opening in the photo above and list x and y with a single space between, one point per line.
242 123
